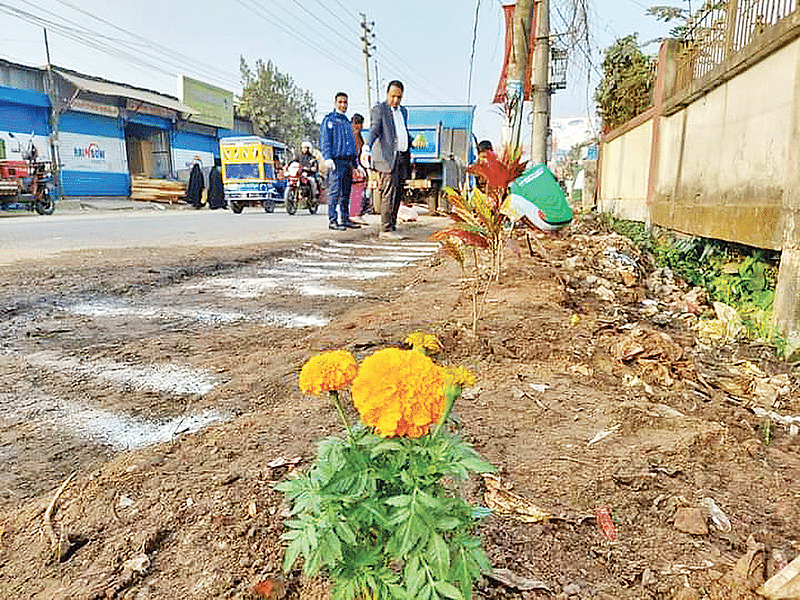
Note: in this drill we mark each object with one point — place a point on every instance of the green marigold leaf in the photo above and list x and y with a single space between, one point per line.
398 500
448 590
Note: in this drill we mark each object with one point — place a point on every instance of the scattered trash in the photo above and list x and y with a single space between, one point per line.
271 589
747 574
538 387
727 326
506 503
784 420
581 370
276 467
618 258
626 348
605 293
603 434
510 579
251 508
605 523
784 584
714 512
139 563
691 520
124 502
406 213
574 320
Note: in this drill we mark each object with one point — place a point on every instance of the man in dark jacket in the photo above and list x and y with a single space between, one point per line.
216 190
194 191
339 152
390 146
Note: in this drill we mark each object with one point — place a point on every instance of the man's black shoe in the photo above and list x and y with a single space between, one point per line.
351 225
336 227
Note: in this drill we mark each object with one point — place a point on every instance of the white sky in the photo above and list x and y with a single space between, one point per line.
426 44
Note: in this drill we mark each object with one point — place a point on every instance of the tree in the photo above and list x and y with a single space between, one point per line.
276 106
627 86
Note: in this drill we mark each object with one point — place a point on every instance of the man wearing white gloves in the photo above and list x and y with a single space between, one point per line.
390 148
339 152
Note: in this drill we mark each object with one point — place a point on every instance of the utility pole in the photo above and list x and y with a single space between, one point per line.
377 85
518 65
366 37
540 94
55 112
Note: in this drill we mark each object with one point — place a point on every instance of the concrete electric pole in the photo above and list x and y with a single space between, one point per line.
540 91
366 37
518 65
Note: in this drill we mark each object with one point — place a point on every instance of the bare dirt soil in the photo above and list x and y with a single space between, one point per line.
584 400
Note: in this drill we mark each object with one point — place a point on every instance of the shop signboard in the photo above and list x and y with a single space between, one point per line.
137 106
206 103
94 108
83 152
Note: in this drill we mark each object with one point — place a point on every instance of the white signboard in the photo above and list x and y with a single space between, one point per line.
184 159
20 141
82 152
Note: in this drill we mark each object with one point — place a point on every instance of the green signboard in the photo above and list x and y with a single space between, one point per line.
206 103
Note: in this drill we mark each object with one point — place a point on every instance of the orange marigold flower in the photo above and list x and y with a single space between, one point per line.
328 372
399 392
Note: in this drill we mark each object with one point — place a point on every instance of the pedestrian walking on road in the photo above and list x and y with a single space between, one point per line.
339 152
390 149
194 191
216 190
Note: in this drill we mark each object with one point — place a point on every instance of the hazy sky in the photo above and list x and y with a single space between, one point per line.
426 44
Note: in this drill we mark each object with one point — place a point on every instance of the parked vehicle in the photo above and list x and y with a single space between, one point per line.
298 189
447 150
28 182
250 166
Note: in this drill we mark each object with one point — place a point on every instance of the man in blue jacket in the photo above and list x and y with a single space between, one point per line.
339 152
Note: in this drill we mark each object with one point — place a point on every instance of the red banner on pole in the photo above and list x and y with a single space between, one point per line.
500 95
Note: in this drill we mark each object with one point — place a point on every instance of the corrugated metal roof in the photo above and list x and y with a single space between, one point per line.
108 88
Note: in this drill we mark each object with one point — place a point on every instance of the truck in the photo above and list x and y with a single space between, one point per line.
446 134
251 168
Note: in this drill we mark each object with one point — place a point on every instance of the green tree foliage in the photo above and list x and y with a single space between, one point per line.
627 86
277 107
672 13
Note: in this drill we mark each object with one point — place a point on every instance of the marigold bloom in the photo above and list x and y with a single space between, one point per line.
328 372
427 343
458 376
399 392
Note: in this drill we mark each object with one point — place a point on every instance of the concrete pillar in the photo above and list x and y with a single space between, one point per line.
786 309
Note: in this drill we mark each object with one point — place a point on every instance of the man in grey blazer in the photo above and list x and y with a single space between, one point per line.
390 146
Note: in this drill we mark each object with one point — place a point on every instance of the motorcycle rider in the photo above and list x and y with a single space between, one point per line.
311 166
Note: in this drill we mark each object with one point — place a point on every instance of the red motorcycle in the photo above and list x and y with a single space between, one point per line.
298 189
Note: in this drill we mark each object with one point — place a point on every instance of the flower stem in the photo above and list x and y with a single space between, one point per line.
451 394
337 403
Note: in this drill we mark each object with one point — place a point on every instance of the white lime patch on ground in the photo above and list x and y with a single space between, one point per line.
106 427
314 262
206 316
340 270
416 247
369 260
111 309
157 377
239 287
311 288
365 254
292 321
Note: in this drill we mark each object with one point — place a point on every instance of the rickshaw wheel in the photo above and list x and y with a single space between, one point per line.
313 205
237 207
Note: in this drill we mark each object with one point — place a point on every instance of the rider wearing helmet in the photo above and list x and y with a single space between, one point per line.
310 166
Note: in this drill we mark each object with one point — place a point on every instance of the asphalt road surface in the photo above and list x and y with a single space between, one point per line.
34 236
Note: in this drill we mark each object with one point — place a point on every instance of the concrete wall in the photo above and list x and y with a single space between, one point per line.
722 166
725 158
624 172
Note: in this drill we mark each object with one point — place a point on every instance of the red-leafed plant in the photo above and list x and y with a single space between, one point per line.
479 219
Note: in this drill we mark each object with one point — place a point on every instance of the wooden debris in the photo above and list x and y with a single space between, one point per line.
157 190
59 544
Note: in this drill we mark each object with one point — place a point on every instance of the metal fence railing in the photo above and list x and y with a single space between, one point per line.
721 28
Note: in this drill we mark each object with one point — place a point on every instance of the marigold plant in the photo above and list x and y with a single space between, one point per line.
379 508
328 372
399 392
427 343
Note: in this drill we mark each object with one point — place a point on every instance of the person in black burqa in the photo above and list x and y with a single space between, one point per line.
194 191
216 191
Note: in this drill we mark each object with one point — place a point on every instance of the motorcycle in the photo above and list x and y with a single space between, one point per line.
298 189
28 181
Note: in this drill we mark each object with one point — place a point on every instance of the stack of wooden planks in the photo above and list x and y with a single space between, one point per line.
157 190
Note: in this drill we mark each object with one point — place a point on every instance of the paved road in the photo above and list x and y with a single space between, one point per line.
34 236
